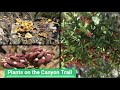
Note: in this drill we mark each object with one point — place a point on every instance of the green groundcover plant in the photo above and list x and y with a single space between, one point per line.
91 40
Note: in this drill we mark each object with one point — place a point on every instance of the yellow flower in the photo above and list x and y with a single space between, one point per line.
30 23
23 23
18 21
27 23
27 28
16 29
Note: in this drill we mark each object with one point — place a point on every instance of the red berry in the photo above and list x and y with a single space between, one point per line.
89 34
87 20
48 58
42 61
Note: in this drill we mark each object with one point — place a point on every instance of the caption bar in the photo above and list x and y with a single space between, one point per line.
40 73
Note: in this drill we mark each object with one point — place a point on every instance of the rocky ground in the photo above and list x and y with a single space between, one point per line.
22 31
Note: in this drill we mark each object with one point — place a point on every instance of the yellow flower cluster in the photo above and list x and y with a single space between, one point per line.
23 25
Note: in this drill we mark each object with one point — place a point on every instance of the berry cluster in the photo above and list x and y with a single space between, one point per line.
35 58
